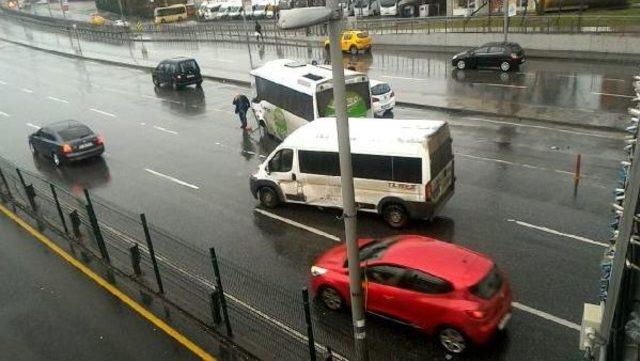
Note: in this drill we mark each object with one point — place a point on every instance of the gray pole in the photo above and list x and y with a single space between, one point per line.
346 177
246 31
506 19
625 231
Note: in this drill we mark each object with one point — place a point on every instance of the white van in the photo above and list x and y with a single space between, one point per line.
402 168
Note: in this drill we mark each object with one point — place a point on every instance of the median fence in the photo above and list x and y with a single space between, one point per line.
266 319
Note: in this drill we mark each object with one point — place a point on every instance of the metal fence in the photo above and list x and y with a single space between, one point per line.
264 318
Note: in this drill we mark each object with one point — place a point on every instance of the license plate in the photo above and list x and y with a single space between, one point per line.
190 76
85 145
504 321
386 106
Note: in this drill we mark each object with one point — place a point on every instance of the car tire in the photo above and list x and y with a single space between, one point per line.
199 84
269 197
56 159
452 340
155 81
505 66
461 64
331 298
33 149
395 215
353 50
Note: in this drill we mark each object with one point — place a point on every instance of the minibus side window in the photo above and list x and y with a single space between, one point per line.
281 161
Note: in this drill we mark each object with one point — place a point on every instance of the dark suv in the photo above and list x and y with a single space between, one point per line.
506 56
177 72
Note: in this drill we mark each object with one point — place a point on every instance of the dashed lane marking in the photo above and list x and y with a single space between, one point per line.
102 112
298 224
33 126
4 114
546 316
58 100
28 91
148 315
165 130
175 180
558 233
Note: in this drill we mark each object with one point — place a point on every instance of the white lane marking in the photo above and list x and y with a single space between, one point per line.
33 126
513 163
2 82
102 112
517 305
614 95
4 114
58 100
298 225
143 123
27 90
614 79
546 316
558 233
149 97
404 78
544 128
503 85
175 180
165 130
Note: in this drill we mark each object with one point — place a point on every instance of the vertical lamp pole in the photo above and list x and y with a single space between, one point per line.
346 178
506 19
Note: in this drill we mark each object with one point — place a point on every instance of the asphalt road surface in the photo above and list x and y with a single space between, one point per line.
181 158
50 311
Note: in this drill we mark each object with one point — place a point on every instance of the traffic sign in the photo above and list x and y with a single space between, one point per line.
139 26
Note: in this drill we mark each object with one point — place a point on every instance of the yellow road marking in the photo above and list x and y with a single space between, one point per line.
111 289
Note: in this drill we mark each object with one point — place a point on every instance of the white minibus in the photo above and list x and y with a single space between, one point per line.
170 13
289 94
388 7
402 169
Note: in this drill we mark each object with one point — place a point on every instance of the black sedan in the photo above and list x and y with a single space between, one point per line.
66 141
506 56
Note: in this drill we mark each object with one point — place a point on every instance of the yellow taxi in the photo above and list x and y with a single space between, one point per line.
353 41
96 20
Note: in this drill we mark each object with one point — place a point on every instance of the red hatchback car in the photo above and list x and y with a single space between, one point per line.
445 290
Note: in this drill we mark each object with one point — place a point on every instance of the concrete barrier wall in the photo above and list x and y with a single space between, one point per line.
573 46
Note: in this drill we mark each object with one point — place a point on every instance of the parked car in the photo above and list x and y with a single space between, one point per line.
383 99
66 141
177 72
353 41
506 56
445 290
121 23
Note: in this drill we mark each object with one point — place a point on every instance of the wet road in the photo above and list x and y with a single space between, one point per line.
553 90
50 311
513 179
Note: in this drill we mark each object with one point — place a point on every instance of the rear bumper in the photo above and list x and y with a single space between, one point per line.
75 156
483 333
426 210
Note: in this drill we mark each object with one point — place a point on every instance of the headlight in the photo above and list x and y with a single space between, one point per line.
455 56
318 271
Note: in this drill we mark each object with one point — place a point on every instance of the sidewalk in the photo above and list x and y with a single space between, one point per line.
50 311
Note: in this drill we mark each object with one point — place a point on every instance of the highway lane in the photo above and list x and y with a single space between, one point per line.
505 172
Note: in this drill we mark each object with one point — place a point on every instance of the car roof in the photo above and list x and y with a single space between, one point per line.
456 264
177 59
64 124
498 43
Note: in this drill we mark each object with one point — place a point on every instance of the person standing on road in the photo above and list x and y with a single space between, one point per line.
258 28
242 104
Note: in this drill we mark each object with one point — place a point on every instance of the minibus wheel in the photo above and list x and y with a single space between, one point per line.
395 215
269 197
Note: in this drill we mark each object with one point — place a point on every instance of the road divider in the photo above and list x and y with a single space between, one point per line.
175 180
558 233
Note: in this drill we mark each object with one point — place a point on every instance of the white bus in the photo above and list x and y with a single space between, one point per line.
289 94
402 169
388 7
171 13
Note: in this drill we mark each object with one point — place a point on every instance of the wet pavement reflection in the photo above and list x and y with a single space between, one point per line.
189 100
87 173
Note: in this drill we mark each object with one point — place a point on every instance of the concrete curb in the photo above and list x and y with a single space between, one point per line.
247 84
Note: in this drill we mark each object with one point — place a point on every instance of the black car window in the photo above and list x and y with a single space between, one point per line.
417 281
189 66
46 134
380 89
496 50
346 37
482 50
385 275
281 161
74 132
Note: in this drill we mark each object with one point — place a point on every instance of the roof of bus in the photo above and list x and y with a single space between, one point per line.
295 75
398 137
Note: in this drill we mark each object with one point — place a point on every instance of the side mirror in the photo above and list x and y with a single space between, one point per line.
266 169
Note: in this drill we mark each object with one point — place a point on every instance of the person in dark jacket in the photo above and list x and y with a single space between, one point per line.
242 104
258 28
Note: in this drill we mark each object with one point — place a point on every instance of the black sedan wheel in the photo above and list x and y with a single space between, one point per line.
461 64
331 299
33 149
505 66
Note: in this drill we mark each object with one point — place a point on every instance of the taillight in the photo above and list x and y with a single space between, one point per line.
476 314
514 56
427 192
99 140
66 148
375 99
